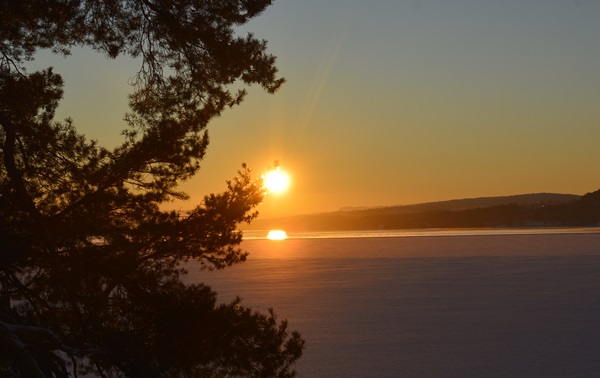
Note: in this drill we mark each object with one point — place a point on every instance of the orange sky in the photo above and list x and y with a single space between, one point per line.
395 103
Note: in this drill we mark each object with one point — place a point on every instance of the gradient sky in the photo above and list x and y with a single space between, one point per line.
395 102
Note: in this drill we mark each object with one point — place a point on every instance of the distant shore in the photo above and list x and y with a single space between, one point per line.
540 210
264 234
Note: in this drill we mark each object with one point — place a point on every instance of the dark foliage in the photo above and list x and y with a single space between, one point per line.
90 266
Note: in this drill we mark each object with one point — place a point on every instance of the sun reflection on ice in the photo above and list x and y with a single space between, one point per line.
276 235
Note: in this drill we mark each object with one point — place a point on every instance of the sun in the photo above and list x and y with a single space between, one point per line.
276 181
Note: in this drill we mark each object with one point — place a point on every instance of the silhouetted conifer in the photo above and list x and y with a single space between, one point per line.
90 266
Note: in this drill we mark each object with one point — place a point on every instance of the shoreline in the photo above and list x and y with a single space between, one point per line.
421 232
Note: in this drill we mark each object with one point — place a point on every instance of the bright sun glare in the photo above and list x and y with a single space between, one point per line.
276 181
277 235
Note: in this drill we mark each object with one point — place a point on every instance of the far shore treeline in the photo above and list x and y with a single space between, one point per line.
528 210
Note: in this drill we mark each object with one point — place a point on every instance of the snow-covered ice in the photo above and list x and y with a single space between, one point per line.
446 306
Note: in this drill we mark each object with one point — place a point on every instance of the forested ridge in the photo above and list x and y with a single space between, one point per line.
530 210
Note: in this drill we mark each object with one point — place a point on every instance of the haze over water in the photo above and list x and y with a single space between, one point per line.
517 304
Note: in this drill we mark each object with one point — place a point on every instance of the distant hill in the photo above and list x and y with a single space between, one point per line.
539 209
472 203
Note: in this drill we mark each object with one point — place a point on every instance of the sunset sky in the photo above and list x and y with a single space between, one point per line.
395 102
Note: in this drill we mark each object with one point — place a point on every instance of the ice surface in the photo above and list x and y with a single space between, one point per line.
494 306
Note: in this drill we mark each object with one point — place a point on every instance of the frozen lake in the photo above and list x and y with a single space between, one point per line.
434 305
